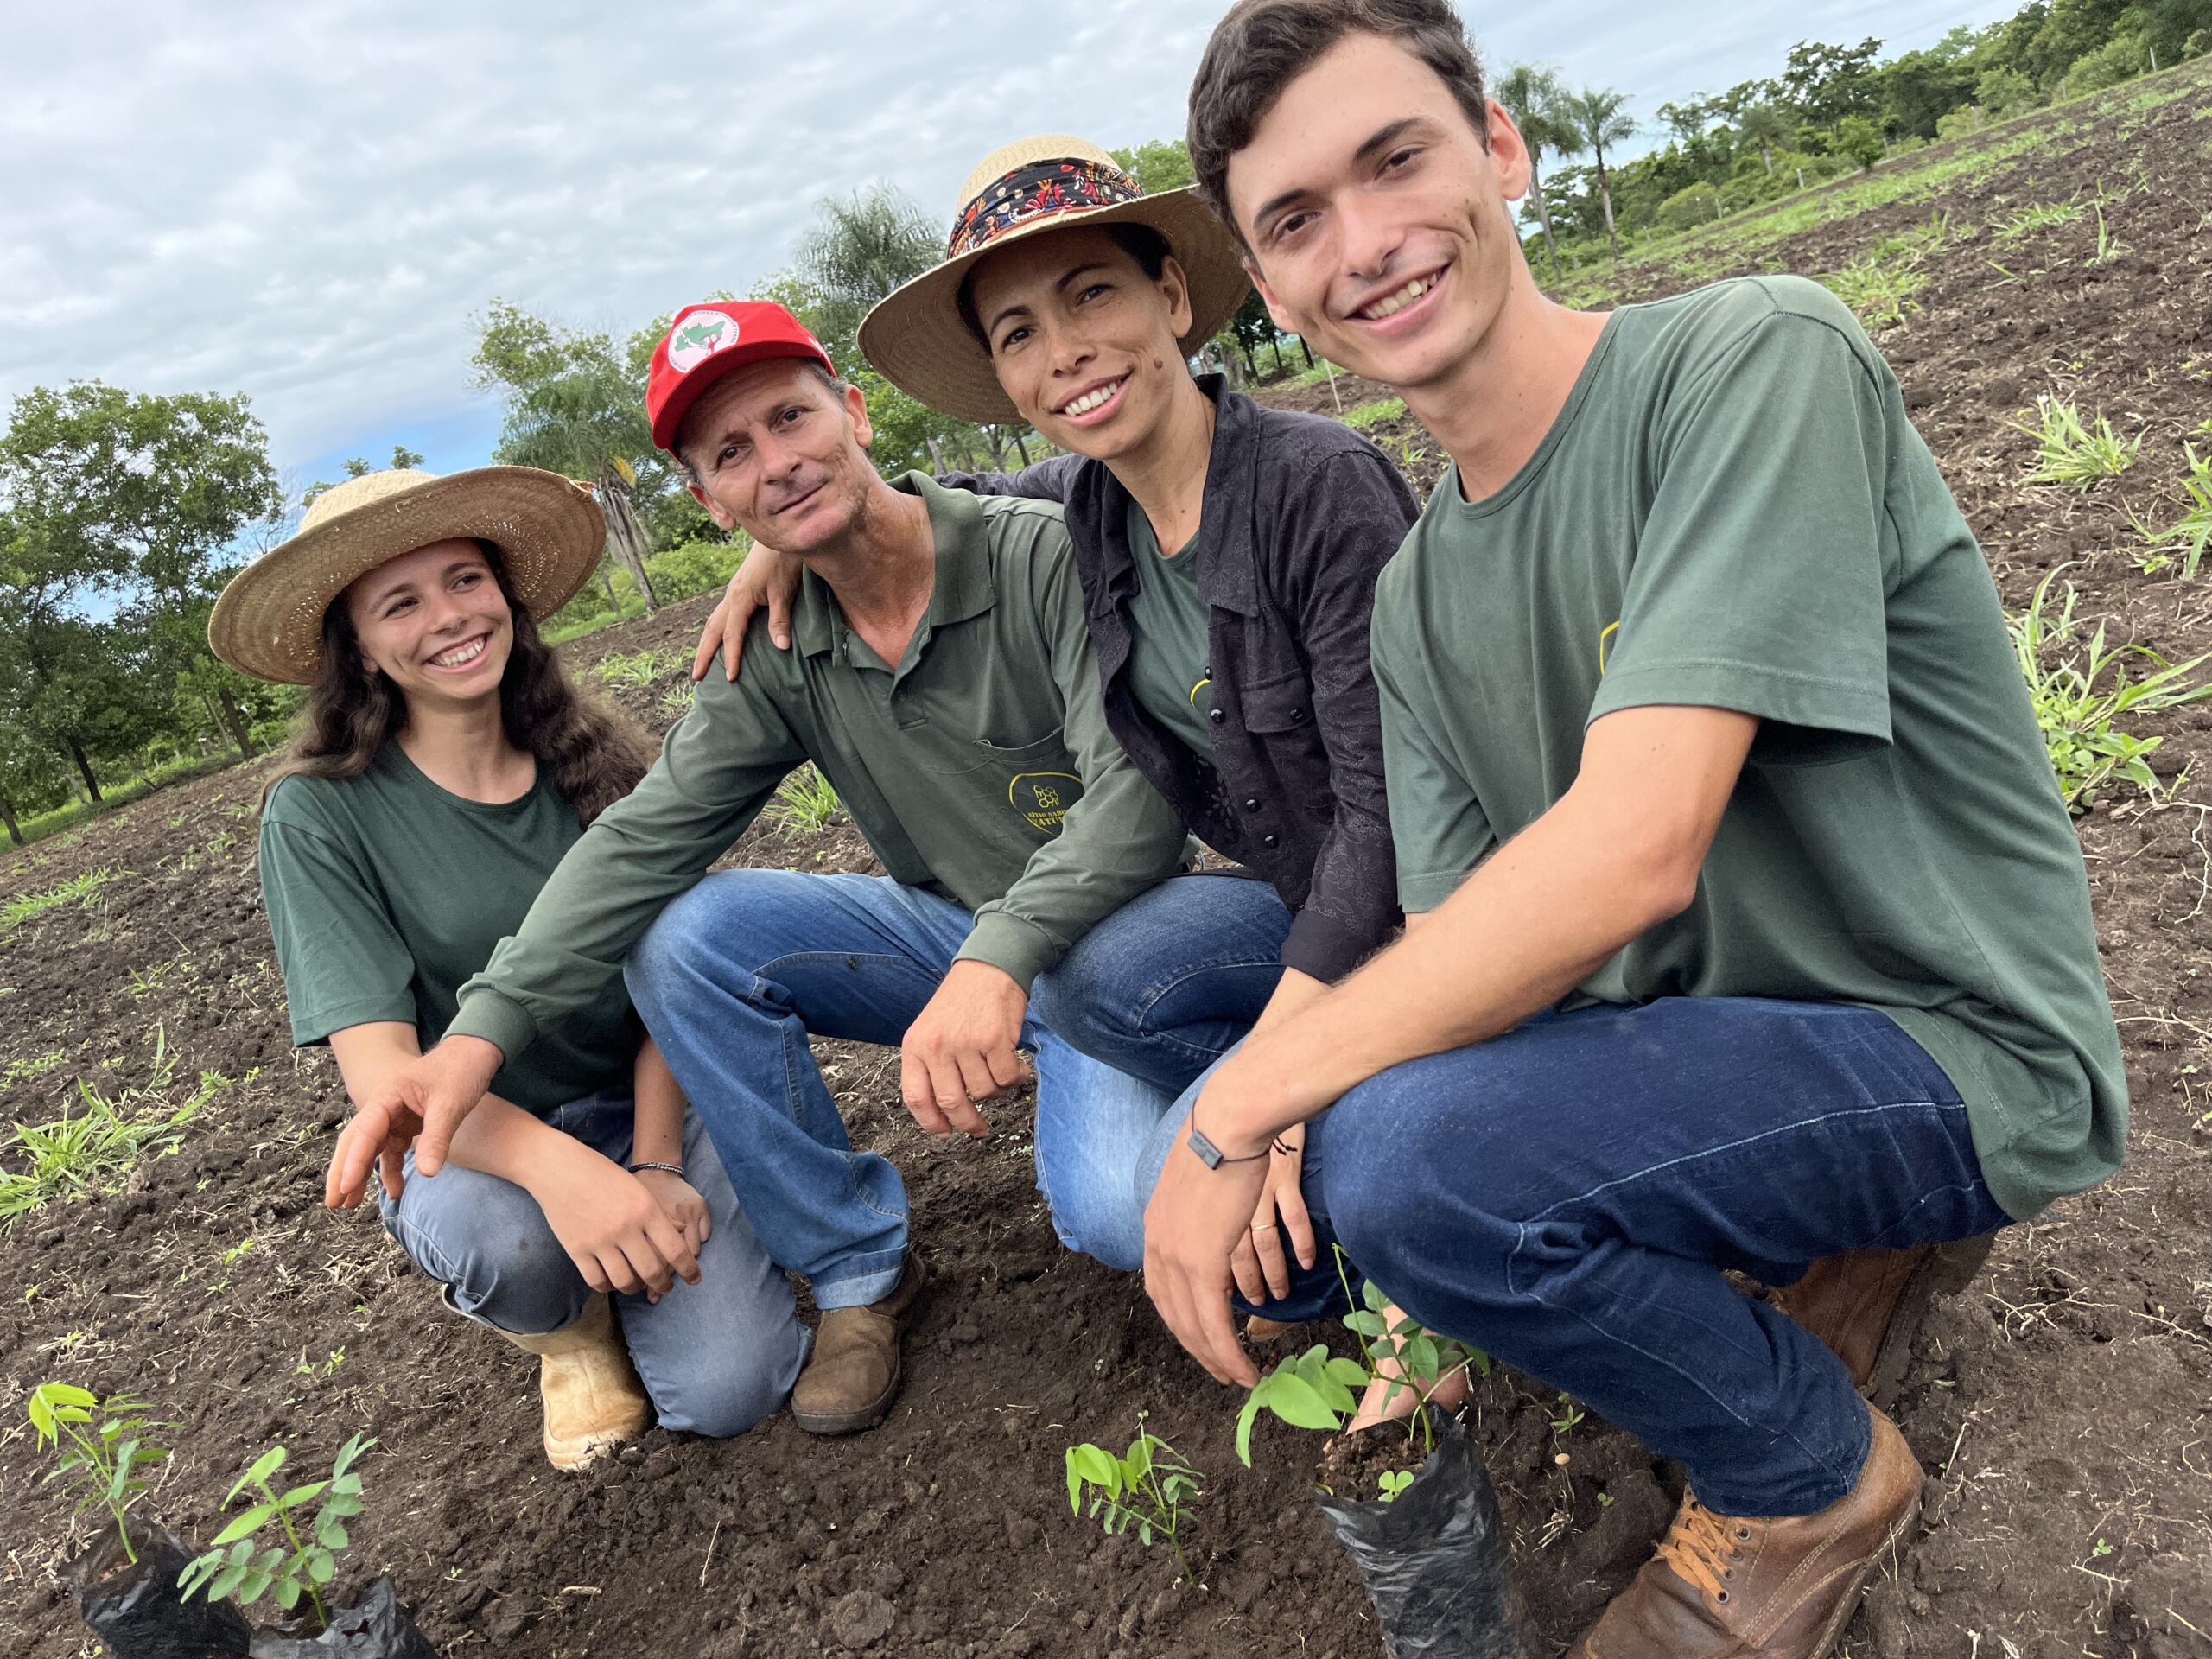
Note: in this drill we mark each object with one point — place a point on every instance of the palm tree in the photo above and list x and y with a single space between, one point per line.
1600 115
1764 125
1535 98
859 248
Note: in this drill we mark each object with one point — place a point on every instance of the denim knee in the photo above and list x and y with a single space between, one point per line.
730 1392
667 949
485 1240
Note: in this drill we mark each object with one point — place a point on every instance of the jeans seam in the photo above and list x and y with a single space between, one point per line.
791 1090
1153 996
1698 1156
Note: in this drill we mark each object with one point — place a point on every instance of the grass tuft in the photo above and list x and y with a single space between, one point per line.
641 668
82 1154
1880 290
2081 691
79 890
1374 412
2039 216
806 803
2070 452
2193 529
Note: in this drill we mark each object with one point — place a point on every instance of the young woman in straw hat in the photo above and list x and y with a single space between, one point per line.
444 764
1228 554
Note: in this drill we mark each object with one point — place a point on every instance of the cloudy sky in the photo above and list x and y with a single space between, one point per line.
309 202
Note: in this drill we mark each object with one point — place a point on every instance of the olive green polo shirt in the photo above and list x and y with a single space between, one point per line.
1733 510
979 766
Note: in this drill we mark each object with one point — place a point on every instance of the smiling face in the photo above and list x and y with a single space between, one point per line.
1082 339
777 451
1377 217
434 622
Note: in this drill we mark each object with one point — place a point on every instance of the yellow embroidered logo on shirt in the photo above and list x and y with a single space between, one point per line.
1605 640
1043 797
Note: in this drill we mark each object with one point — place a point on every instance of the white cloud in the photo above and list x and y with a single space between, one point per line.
308 203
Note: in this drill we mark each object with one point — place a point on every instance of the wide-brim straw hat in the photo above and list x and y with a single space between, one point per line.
548 529
915 335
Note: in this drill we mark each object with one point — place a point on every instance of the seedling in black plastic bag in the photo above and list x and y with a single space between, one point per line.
104 1456
307 1560
1145 1490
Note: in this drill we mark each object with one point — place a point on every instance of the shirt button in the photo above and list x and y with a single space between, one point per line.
1216 715
1268 841
1298 716
1251 803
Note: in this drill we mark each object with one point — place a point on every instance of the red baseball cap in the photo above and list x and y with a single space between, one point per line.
706 342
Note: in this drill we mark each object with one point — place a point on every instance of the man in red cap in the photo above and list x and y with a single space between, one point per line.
943 683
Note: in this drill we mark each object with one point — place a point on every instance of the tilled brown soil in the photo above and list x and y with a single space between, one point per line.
2062 1408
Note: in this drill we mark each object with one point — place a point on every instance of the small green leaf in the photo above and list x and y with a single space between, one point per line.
1138 1464
243 1525
1350 1372
1075 1493
300 1495
330 1535
320 1567
1371 1294
1295 1400
288 1592
350 1485
225 1581
1144 1534
1244 1421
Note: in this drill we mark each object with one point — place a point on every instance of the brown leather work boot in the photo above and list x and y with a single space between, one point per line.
849 1382
1866 1303
589 1390
1725 1587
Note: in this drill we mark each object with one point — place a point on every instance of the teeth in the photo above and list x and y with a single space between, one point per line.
460 655
1399 300
1091 400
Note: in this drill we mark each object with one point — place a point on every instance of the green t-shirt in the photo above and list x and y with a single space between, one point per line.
1168 652
1733 510
385 892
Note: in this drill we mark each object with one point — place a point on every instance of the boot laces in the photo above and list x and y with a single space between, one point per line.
1703 1548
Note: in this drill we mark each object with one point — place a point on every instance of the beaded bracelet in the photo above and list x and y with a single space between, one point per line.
675 1170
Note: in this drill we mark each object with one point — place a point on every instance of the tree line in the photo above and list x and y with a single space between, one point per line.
1831 110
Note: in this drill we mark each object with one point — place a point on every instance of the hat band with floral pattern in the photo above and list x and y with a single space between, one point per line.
1041 190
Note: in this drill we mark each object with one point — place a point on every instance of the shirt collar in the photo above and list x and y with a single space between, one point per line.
963 586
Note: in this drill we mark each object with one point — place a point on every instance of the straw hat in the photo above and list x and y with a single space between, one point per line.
268 621
915 336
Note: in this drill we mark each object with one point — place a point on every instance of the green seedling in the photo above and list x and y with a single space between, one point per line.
1360 416
2081 696
806 803
2044 216
81 1153
677 703
2109 247
36 1066
641 668
2069 451
306 1560
107 1446
2193 529
1880 291
79 890
1570 1415
1146 1489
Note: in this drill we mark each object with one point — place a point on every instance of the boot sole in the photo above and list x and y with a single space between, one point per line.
1833 1630
1949 1269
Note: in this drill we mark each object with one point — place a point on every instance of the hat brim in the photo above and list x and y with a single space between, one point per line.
267 622
917 338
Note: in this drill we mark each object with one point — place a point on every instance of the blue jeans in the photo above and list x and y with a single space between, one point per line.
1564 1197
737 973
716 1356
1172 981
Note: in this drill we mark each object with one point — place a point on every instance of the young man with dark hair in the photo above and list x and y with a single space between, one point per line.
1747 927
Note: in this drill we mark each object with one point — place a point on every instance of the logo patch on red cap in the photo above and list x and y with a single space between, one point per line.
700 337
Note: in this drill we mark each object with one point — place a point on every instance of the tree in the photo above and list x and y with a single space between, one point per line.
1860 139
1825 82
575 406
165 486
1600 117
402 458
1159 164
1536 100
1766 126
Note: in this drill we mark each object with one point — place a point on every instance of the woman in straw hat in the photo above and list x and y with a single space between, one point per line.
1228 554
444 764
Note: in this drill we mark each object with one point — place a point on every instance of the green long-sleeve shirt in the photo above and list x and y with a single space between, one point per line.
980 768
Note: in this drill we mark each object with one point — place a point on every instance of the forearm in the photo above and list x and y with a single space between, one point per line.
657 1132
1294 993
499 1138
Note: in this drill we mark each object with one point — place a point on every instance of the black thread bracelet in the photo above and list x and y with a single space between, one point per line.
675 1170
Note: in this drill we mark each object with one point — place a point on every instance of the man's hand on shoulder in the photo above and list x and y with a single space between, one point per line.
421 1104
961 1049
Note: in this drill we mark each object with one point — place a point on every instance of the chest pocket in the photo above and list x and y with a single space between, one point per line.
1027 789
1281 705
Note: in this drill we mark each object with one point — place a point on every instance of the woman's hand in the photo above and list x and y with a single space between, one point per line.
613 1227
766 577
682 1203
1261 1268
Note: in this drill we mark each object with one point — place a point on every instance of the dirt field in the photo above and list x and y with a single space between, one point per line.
2062 1408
